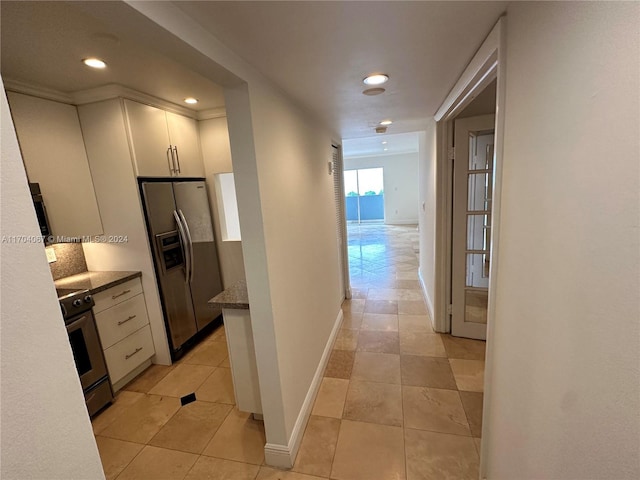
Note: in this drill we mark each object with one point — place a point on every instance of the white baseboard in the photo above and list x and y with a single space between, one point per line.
410 221
283 456
427 300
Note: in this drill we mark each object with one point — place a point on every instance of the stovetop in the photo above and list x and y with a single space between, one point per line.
74 302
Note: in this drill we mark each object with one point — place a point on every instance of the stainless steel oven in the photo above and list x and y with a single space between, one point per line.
87 350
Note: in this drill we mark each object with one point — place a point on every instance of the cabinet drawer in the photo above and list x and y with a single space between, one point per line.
117 294
127 354
121 320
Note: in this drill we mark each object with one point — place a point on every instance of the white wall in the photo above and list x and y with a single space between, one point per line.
46 432
564 399
216 154
427 215
400 184
280 155
298 211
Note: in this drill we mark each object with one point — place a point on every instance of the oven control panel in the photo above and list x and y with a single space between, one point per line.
75 302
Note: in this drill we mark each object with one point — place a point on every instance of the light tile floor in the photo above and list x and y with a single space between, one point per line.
397 401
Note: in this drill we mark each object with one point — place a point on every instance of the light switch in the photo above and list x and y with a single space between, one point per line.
51 254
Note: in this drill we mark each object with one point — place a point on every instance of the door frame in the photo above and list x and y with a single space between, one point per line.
488 63
486 66
336 168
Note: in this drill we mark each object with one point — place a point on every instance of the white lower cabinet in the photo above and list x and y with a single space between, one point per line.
120 321
128 354
123 325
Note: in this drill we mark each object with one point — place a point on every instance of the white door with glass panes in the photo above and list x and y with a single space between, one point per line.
471 240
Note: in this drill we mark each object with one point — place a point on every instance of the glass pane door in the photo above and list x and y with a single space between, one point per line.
478 232
471 234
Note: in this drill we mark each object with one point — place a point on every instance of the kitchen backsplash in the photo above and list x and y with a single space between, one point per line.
69 260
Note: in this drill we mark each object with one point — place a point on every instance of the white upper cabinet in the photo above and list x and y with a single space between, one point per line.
54 156
149 140
163 143
183 133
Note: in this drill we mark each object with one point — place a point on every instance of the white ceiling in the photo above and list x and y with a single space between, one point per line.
43 43
371 146
317 52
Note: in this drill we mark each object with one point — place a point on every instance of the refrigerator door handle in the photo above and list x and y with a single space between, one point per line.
185 246
186 227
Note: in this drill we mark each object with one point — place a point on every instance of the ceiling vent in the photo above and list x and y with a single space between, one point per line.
381 129
373 91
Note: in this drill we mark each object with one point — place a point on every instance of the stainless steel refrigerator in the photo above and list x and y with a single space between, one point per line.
181 237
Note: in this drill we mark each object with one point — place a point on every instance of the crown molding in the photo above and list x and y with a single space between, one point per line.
210 113
19 86
108 92
114 90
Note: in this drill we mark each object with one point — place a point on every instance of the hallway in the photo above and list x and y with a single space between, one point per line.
398 400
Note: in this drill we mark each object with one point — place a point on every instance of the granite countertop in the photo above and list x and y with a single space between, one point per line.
233 297
95 281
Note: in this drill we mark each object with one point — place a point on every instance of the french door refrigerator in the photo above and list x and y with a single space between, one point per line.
181 238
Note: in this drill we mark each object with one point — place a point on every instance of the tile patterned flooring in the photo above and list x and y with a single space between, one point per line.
397 401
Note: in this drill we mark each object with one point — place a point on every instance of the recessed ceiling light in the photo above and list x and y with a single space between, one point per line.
191 100
376 79
386 149
373 91
386 122
384 143
94 63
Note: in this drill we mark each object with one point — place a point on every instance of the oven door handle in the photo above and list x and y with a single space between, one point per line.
185 246
77 323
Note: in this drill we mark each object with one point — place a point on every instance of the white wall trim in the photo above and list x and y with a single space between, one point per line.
39 91
114 90
473 74
210 113
425 293
410 221
283 456
108 92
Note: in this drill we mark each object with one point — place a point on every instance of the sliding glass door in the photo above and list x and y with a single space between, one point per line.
364 192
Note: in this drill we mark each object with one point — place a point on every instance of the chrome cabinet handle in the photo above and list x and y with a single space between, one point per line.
127 357
131 317
113 297
170 159
175 149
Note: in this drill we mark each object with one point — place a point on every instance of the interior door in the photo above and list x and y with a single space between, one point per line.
471 240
